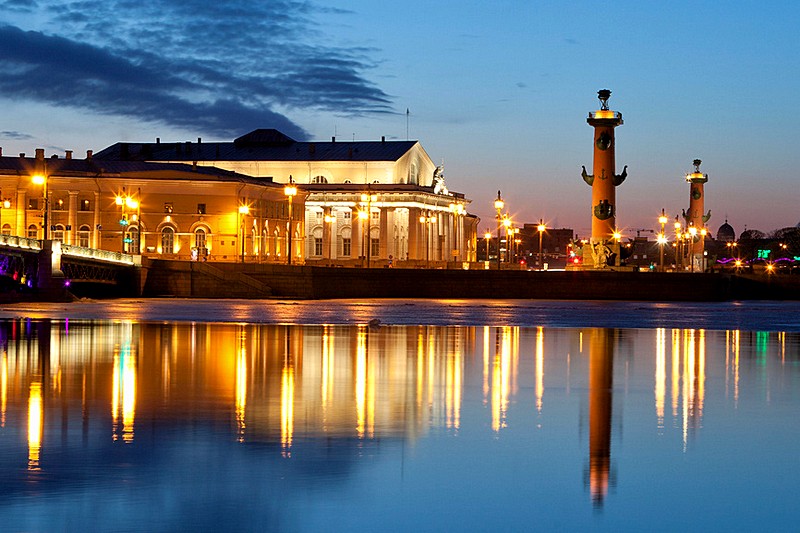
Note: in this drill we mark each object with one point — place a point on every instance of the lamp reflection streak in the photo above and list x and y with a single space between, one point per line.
4 390
241 389
361 382
501 377
676 371
539 368
123 399
327 372
661 375
287 407
35 425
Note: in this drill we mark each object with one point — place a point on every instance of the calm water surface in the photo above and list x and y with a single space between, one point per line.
447 415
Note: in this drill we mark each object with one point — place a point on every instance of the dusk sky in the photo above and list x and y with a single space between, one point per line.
497 91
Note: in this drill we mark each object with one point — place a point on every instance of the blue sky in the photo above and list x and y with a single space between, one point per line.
498 92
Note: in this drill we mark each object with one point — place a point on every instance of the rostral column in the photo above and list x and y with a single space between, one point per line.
695 219
603 248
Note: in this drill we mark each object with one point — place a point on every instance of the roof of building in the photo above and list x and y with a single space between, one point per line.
91 167
259 145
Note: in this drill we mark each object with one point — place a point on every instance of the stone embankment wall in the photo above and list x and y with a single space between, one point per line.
237 280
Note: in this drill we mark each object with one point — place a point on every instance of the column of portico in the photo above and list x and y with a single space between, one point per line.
386 247
326 232
414 233
72 218
356 235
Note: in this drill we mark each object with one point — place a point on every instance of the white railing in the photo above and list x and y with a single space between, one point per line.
102 255
21 242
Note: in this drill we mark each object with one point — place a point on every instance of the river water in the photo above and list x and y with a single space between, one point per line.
171 415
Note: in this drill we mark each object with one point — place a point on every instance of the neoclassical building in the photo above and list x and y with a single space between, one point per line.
168 210
367 202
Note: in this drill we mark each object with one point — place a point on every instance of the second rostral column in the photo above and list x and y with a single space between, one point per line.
603 249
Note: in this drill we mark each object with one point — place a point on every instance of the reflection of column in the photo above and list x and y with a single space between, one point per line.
601 364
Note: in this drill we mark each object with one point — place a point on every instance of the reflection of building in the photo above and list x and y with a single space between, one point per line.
366 200
156 209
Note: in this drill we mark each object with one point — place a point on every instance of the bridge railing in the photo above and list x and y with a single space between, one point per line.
102 255
21 242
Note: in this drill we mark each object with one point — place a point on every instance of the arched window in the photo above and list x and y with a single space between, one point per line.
33 232
6 229
133 240
319 179
200 241
167 240
83 236
58 233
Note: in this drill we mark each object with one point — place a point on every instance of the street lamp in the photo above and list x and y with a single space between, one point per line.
329 220
662 238
363 216
498 205
540 228
41 179
487 236
457 209
507 224
244 209
289 190
692 235
367 238
132 204
678 243
703 233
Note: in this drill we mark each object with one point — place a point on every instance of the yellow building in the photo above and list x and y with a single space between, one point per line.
368 202
174 211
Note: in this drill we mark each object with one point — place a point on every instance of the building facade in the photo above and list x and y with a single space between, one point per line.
173 211
367 203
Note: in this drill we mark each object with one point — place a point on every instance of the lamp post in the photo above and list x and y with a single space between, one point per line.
692 235
487 236
703 233
289 190
367 238
662 239
41 179
456 209
540 228
678 243
329 220
363 216
498 205
507 225
244 209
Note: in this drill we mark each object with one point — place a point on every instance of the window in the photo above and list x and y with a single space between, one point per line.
85 205
376 216
167 240
83 236
58 233
33 232
319 179
201 209
33 203
133 240
200 241
347 215
6 229
375 247
346 247
318 214
168 207
58 205
317 246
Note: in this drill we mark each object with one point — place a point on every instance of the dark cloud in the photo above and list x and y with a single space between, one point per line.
217 67
15 135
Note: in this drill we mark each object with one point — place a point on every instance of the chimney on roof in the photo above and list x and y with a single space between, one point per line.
158 140
199 140
383 138
40 153
68 154
88 154
333 139
1 151
22 155
54 156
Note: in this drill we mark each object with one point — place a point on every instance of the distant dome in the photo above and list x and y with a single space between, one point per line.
725 233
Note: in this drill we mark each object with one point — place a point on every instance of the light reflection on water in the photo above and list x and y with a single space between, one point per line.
164 426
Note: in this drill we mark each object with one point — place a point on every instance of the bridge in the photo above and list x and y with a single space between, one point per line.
53 269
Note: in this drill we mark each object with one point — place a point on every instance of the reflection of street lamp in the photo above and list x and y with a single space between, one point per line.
41 179
540 228
498 205
244 209
487 236
289 190
662 238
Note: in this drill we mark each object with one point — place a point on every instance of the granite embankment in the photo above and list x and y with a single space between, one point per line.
244 280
